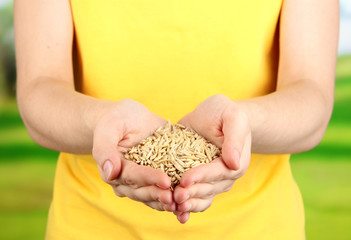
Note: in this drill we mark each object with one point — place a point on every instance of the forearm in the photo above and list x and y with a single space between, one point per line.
59 118
290 120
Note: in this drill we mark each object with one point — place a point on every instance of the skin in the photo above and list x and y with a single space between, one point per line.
292 119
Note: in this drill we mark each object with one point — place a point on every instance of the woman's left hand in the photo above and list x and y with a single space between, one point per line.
220 121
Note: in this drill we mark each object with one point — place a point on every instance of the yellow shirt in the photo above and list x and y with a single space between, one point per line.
171 55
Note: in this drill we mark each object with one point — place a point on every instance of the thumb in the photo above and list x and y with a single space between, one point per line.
235 130
111 168
108 161
105 151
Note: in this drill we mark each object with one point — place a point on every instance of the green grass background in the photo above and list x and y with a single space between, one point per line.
323 174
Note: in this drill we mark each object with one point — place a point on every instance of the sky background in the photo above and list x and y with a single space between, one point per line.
345 25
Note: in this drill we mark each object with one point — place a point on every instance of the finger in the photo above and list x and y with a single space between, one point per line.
155 205
183 217
201 190
170 207
235 130
185 121
180 194
198 190
138 176
160 206
208 173
144 194
195 205
105 150
177 212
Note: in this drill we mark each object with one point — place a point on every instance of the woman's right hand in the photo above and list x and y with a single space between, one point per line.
124 125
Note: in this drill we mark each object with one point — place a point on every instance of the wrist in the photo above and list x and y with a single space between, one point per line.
94 111
255 113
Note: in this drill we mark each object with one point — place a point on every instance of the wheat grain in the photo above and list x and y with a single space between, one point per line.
173 149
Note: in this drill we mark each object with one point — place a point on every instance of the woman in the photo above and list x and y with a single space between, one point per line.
256 78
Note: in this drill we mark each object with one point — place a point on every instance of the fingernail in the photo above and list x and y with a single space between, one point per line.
187 197
190 184
172 208
169 207
162 187
107 169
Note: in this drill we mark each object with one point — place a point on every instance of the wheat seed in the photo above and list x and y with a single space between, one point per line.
173 149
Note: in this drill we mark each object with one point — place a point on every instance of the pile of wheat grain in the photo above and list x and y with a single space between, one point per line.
173 149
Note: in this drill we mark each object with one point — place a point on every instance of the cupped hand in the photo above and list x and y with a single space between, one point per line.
124 125
219 120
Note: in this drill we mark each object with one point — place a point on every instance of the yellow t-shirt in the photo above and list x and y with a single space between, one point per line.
171 55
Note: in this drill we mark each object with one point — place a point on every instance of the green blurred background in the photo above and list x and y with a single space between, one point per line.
27 170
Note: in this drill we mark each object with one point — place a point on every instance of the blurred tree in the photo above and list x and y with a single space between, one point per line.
7 52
